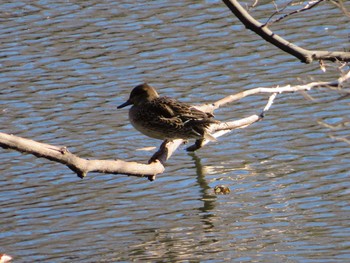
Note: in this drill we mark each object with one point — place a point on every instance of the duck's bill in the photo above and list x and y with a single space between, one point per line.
127 103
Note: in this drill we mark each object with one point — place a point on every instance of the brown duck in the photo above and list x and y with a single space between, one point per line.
166 118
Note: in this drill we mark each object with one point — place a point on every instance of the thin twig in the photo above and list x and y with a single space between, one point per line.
277 11
253 5
341 6
309 5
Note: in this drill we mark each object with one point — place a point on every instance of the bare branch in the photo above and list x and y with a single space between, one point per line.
223 128
226 127
305 56
337 126
340 4
253 5
156 163
79 165
309 5
278 10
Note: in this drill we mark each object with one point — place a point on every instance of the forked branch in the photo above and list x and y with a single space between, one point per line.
306 56
156 163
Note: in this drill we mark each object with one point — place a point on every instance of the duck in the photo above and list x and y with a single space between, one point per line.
166 118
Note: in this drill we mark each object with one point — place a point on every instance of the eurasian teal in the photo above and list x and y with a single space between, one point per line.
166 118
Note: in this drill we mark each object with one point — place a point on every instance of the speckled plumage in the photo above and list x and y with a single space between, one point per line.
166 118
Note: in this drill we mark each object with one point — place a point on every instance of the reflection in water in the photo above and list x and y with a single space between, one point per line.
207 197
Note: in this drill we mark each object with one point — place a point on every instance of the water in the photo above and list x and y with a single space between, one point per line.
65 66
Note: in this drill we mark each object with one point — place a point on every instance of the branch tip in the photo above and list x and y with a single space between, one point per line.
81 174
151 178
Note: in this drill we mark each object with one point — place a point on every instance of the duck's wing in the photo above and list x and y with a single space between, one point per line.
170 108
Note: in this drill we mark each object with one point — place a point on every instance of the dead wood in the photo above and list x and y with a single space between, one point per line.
156 164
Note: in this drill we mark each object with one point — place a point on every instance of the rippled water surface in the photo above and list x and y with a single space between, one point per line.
66 65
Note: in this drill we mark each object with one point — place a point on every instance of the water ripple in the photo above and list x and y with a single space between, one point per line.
66 66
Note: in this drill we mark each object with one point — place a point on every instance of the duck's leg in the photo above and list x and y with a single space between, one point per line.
157 155
160 151
197 145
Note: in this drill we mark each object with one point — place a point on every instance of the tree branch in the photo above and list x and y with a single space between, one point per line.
79 165
305 56
308 6
340 5
156 163
226 127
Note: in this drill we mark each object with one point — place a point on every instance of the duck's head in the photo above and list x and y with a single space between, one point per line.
140 94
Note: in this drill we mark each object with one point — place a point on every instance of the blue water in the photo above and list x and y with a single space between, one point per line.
65 66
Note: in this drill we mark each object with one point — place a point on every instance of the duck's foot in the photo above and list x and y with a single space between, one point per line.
197 145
